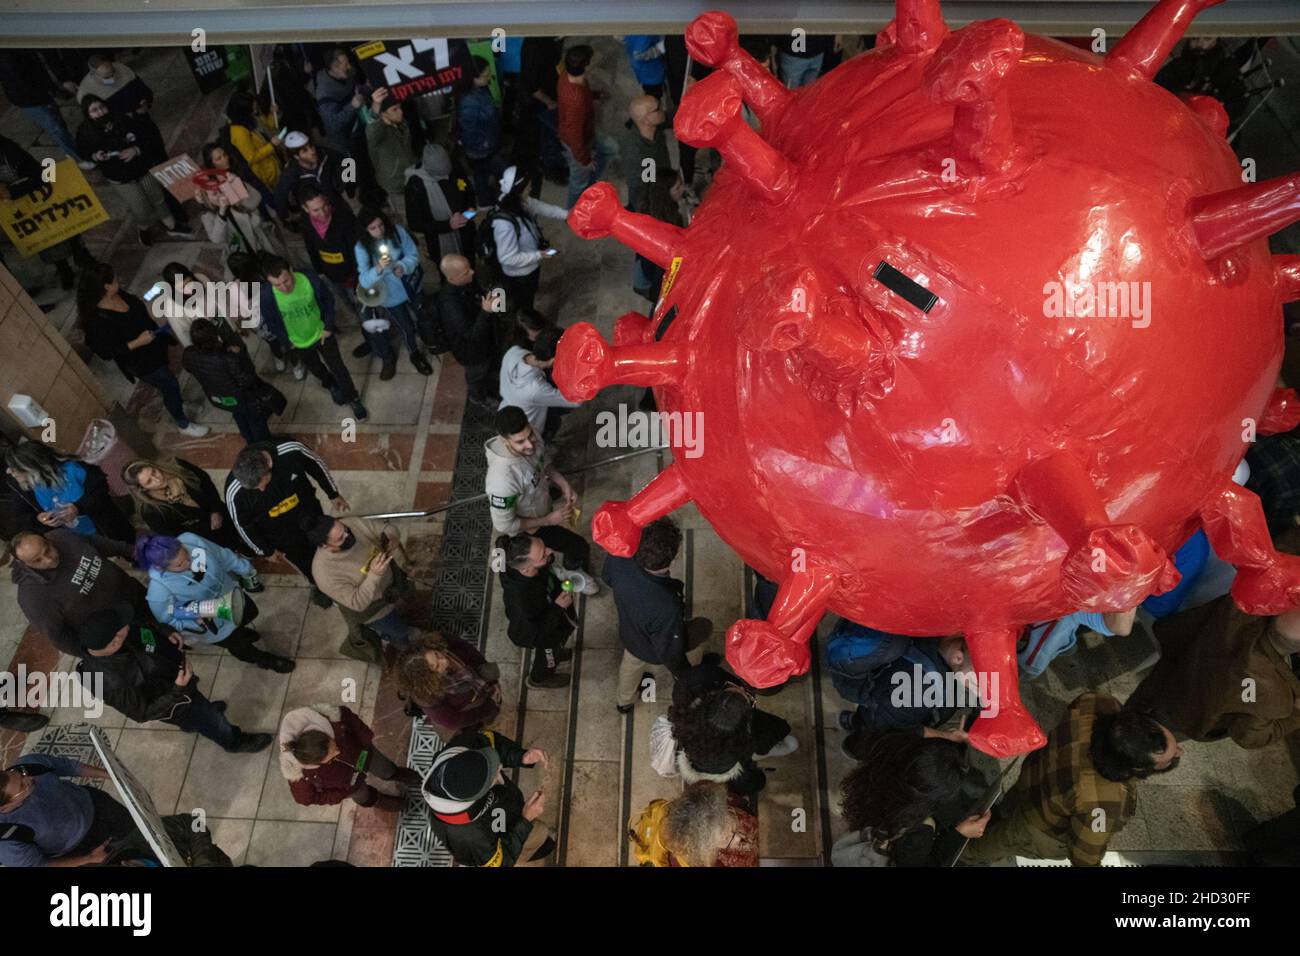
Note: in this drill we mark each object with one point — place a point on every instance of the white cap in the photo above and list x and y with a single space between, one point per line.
508 181
295 140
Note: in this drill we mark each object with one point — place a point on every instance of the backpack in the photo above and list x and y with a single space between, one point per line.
644 834
855 653
486 240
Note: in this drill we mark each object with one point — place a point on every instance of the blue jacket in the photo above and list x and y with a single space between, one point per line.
69 491
406 255
647 72
480 123
174 589
59 812
273 321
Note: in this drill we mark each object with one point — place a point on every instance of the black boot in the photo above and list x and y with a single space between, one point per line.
249 743
320 599
421 363
273 662
21 721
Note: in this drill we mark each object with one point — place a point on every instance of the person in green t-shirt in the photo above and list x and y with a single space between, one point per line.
298 310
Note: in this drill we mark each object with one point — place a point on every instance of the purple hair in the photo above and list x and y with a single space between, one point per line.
155 551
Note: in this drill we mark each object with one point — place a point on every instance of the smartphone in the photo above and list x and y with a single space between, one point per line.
550 252
158 289
280 135
470 213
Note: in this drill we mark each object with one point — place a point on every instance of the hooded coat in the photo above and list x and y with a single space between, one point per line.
333 782
58 601
523 385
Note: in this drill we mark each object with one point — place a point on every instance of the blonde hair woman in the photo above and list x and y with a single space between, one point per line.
181 497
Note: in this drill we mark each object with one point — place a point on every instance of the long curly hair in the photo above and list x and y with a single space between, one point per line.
903 780
415 678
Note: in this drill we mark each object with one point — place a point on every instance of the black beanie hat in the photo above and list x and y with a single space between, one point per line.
101 627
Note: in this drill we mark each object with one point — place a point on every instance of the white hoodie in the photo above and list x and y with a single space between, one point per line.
521 384
517 487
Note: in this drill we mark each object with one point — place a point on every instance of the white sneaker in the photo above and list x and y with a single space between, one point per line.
299 373
195 430
280 365
783 748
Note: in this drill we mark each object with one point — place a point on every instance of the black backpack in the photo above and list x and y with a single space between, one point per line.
486 240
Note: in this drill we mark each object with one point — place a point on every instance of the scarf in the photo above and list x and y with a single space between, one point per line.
175 492
435 166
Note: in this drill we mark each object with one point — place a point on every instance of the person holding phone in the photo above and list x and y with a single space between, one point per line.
466 790
118 327
520 244
146 676
439 205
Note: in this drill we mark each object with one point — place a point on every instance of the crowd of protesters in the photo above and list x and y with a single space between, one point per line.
419 220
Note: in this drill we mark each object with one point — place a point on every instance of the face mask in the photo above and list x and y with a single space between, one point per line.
104 121
108 82
348 542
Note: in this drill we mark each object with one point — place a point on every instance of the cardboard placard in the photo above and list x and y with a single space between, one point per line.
58 211
413 67
138 803
177 176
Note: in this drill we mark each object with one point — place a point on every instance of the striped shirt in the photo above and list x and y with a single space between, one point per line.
1063 795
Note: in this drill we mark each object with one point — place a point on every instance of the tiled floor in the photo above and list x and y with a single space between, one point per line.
412 453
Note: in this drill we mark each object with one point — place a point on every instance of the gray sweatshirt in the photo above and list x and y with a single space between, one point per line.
517 487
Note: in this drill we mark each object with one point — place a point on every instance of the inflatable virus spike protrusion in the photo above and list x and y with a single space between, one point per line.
1145 48
1287 270
1267 581
713 39
918 26
631 329
586 363
969 71
710 116
1210 111
599 213
617 525
1004 728
1282 413
1109 567
1234 217
768 653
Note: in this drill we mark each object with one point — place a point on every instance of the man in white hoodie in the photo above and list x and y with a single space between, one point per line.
519 477
523 381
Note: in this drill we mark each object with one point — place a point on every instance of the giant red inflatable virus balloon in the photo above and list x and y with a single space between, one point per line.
979 324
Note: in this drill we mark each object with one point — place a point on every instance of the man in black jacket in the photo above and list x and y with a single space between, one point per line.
651 613
310 165
272 502
121 148
467 318
64 577
147 676
329 231
539 610
482 817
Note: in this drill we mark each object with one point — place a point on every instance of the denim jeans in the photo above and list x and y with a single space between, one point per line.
603 149
403 317
252 425
204 719
379 342
391 628
799 71
162 379
50 119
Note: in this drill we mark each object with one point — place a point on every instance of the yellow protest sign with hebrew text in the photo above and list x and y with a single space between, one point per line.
55 212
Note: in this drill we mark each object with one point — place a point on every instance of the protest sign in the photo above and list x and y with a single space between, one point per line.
52 214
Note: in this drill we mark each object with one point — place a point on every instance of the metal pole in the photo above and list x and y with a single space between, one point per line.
469 501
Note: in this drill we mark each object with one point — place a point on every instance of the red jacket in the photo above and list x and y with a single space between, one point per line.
332 782
577 117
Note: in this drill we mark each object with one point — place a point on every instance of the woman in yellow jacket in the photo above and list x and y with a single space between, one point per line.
260 155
